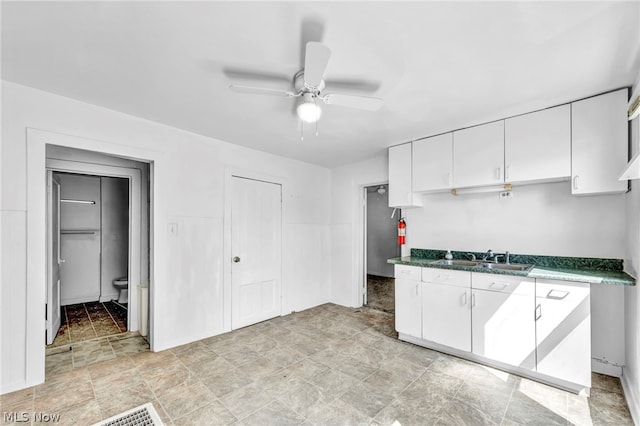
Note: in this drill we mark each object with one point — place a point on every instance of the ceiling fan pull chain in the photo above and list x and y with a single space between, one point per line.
315 101
301 130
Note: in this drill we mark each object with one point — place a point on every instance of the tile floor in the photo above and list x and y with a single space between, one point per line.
328 365
380 293
86 321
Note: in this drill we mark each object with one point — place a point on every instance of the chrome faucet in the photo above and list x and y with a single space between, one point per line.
471 256
488 255
505 256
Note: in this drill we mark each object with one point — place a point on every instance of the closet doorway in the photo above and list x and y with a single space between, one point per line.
89 256
99 226
381 236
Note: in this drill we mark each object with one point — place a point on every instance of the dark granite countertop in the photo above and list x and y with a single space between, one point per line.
588 270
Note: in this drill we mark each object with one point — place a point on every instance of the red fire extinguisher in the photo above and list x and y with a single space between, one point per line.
402 231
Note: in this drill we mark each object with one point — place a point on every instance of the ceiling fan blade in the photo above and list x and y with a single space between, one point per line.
261 90
316 60
311 29
352 101
361 85
237 73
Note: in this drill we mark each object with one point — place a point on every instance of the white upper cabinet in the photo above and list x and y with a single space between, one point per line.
400 186
537 146
478 155
432 164
599 147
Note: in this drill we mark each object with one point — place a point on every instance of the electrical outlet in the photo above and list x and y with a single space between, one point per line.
506 194
173 229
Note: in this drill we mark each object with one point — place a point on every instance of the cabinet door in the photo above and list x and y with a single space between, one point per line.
563 330
432 165
408 307
599 145
400 192
446 315
537 146
504 327
478 155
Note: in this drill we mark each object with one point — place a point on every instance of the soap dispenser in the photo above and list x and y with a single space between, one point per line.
448 256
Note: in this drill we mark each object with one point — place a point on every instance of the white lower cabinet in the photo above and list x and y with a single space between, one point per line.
408 294
563 330
541 326
446 307
503 326
446 315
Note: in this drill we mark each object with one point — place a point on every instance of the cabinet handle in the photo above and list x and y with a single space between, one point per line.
473 300
557 294
575 181
450 179
498 173
507 172
443 277
417 289
464 298
538 313
502 285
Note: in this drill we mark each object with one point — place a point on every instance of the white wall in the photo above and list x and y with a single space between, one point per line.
190 187
631 371
347 226
115 234
539 219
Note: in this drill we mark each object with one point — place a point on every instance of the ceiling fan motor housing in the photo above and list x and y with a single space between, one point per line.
301 86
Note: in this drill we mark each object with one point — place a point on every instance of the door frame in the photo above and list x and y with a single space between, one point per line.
134 268
229 174
36 288
53 259
361 252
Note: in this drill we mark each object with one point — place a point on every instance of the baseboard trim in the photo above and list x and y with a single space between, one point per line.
76 300
606 369
109 297
633 400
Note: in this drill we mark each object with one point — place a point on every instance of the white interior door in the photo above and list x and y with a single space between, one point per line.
53 257
256 235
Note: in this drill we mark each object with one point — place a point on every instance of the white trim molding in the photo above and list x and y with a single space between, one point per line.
37 140
632 397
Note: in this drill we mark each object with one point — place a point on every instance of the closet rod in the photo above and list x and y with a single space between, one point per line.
79 232
78 201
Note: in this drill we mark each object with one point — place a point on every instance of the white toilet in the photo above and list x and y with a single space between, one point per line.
122 284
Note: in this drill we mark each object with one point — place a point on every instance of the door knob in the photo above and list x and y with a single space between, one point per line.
236 259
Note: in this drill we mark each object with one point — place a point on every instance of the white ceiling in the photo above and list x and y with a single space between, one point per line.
439 65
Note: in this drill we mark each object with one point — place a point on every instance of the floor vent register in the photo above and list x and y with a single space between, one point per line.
144 415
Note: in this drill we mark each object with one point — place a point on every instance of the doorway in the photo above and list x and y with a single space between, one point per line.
256 241
380 244
89 257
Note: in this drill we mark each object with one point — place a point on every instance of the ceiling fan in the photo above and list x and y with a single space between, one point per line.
309 83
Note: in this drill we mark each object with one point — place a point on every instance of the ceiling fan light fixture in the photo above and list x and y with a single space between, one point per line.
308 111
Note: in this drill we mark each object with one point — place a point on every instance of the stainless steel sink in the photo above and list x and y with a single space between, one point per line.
487 265
507 266
456 262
